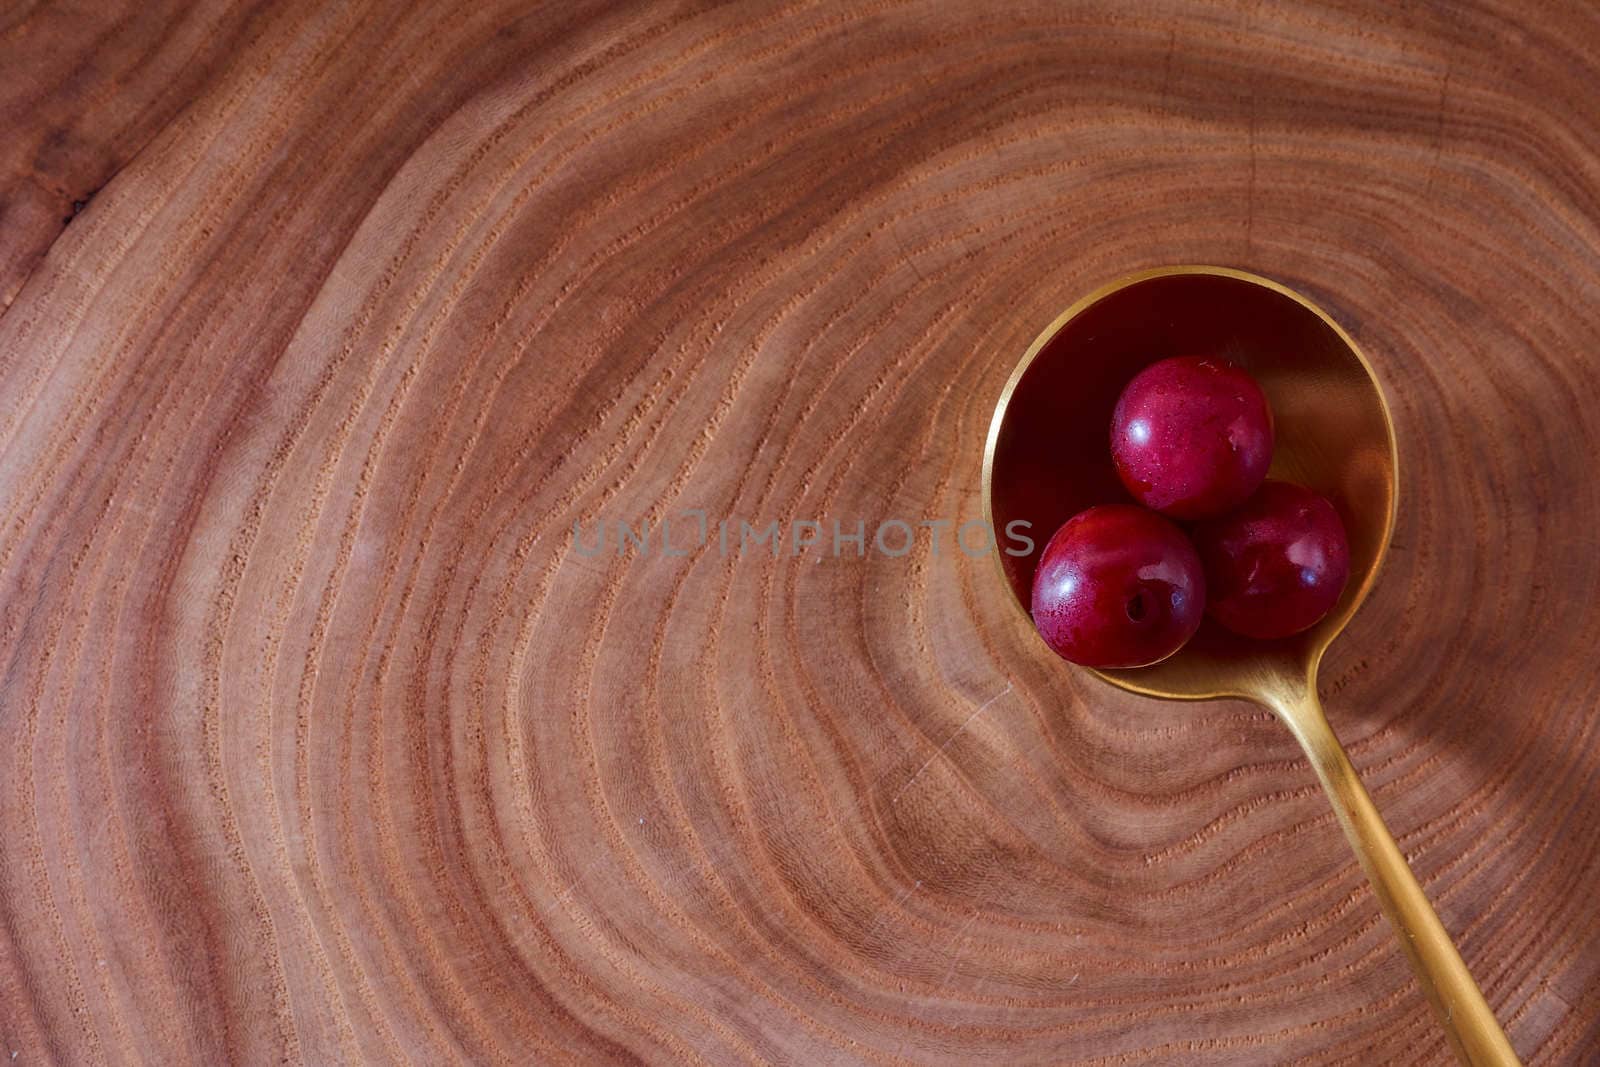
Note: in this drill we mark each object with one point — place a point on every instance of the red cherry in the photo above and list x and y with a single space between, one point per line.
1277 565
1192 436
1118 586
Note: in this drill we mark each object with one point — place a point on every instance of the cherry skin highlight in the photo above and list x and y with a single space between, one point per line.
1277 565
1118 586
1192 436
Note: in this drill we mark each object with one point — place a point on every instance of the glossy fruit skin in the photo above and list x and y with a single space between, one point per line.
1192 436
1118 586
1277 565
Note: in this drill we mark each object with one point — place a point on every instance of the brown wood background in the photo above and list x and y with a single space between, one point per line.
323 323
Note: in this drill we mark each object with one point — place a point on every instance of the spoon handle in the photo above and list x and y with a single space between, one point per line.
1456 999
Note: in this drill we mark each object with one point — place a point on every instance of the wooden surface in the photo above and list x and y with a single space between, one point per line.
323 323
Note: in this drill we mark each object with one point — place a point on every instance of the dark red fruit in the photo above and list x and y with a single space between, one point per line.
1192 436
1118 586
1277 565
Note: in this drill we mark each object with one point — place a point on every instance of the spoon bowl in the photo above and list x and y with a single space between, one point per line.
1048 449
1047 457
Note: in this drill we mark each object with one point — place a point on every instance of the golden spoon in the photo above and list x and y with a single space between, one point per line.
1047 457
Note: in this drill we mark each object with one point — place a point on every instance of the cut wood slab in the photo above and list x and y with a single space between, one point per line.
324 324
